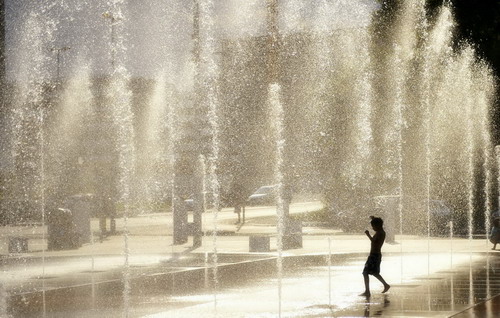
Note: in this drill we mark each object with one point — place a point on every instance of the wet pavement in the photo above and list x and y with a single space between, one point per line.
430 277
322 291
308 287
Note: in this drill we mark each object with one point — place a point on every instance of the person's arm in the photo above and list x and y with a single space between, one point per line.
369 235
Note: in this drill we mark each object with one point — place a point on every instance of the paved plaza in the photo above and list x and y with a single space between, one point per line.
436 277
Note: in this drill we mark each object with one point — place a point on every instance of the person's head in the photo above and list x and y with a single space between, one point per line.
377 223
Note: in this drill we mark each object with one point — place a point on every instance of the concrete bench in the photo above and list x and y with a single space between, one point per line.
292 238
260 243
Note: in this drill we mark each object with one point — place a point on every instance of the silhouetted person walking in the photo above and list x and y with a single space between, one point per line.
238 197
495 233
372 265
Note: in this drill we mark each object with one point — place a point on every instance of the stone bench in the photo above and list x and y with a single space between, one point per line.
259 243
262 243
292 238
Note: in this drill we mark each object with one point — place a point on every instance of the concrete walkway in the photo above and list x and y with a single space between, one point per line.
435 277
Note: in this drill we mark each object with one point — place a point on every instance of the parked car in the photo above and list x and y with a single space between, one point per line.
265 195
209 202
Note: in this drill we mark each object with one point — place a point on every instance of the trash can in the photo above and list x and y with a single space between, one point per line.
62 233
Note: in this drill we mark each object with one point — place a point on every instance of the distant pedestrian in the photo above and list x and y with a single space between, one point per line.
372 265
238 198
495 233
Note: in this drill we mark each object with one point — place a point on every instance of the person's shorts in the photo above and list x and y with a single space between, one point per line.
495 238
372 265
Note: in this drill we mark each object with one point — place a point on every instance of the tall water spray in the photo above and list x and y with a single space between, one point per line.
119 97
172 124
208 75
28 119
29 113
156 128
357 113
484 99
437 43
428 61
68 145
465 63
315 101
276 118
405 43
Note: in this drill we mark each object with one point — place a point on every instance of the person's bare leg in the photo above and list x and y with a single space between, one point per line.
381 279
367 286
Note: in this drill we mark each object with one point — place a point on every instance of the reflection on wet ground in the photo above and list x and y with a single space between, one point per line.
488 308
309 288
306 293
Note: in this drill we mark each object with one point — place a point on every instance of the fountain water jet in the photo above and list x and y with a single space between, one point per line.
28 118
120 102
206 90
405 40
276 116
483 101
157 122
329 263
360 127
436 45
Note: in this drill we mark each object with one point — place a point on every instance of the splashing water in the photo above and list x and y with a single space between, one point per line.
153 161
208 77
120 102
276 115
354 114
